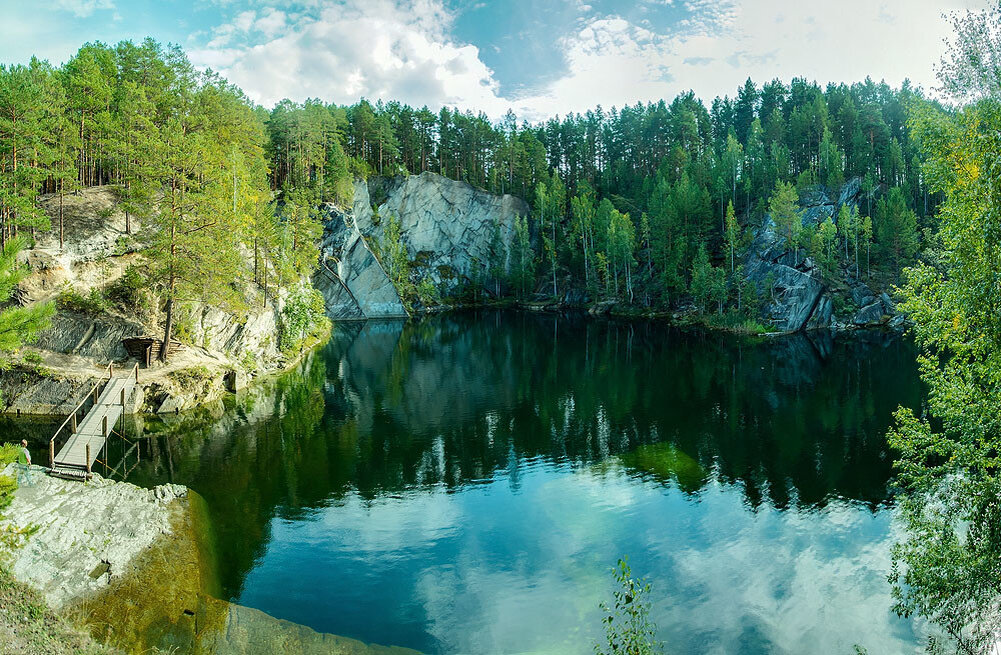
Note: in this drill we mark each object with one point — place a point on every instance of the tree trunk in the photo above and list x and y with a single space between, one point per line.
61 230
168 324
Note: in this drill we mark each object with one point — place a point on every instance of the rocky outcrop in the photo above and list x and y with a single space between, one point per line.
86 533
798 294
87 331
353 282
450 224
449 228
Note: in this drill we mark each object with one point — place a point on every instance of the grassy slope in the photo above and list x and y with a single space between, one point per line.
28 626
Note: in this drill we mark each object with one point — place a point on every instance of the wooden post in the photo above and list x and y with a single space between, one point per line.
123 396
52 453
73 422
104 426
111 369
95 394
137 373
149 353
88 459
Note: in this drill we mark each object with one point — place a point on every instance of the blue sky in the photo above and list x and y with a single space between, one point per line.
539 57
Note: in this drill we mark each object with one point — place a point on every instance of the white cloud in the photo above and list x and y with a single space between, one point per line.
377 49
615 63
401 49
84 8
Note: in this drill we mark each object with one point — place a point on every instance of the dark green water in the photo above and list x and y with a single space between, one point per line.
464 484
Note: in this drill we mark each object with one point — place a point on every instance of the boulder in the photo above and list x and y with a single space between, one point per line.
871 314
172 404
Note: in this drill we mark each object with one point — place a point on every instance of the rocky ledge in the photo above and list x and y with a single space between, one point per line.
137 566
800 296
101 300
85 534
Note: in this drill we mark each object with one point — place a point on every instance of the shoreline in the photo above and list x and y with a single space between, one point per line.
181 404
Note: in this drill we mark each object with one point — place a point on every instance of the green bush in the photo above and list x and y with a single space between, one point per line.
71 299
130 291
303 315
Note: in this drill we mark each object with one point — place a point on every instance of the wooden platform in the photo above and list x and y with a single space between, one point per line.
74 458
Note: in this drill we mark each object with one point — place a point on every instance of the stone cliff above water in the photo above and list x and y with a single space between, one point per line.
448 226
801 296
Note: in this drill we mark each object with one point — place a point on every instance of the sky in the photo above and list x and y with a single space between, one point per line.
538 57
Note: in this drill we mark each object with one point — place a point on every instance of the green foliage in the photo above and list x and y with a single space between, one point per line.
396 260
786 215
708 282
303 315
896 230
130 291
522 274
622 200
628 628
947 568
18 325
428 293
72 300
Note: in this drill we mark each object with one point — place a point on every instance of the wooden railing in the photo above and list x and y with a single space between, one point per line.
83 407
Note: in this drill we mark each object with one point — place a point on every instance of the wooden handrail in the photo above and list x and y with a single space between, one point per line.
92 393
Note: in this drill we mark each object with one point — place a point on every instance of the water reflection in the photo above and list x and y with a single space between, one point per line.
463 484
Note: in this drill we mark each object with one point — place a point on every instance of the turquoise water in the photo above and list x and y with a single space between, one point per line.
464 484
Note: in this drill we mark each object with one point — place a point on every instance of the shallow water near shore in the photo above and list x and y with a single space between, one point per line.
464 484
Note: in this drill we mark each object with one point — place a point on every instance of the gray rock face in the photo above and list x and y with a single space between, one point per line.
353 282
98 338
795 294
801 298
448 227
451 223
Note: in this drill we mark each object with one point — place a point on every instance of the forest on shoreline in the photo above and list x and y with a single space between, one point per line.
649 204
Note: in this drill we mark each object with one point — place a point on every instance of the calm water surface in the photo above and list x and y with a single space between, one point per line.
464 484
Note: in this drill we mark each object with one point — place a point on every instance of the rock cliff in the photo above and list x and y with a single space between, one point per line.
86 333
448 227
798 295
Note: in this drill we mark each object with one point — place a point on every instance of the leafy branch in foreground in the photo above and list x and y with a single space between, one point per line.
948 568
628 628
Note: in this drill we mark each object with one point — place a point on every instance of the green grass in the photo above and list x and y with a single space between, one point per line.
27 625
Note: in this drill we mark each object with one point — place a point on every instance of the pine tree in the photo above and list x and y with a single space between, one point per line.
732 233
786 215
18 325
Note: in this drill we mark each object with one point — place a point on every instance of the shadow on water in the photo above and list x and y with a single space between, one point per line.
387 410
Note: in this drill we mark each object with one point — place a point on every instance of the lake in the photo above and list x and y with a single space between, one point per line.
465 484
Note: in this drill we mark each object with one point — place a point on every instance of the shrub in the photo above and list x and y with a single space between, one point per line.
303 315
130 292
71 299
628 628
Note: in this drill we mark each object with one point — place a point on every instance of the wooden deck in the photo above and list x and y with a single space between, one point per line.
86 438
